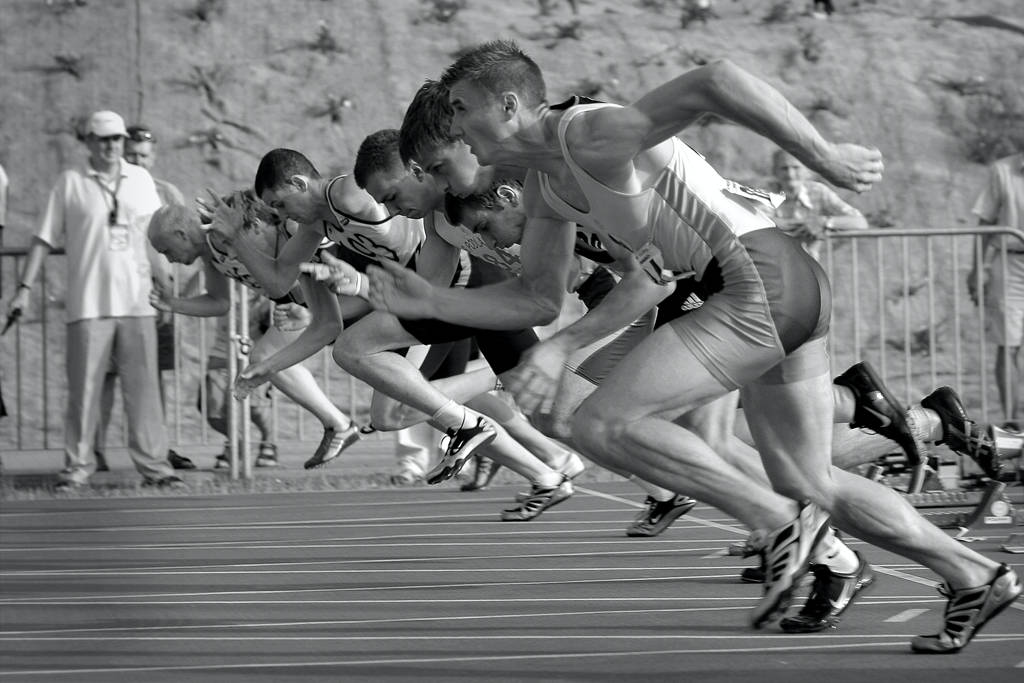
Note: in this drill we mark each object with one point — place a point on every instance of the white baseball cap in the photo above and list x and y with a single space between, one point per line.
104 124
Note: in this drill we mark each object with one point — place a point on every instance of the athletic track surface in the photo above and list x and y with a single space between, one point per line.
425 584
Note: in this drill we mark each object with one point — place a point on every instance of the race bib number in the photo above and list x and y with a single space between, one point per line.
119 239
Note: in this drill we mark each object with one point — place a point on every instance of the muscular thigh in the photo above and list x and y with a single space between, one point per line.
661 376
376 332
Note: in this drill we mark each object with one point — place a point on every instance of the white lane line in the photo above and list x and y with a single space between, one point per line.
545 540
545 637
245 571
906 615
192 603
689 517
893 644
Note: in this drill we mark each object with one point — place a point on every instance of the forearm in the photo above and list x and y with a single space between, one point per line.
204 306
313 338
846 222
277 277
726 90
508 305
37 254
632 297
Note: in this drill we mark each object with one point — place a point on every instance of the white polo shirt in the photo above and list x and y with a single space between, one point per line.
108 271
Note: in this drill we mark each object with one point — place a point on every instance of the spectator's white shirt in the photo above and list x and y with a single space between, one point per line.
1002 199
108 271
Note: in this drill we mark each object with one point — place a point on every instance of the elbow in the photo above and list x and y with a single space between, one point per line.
331 330
546 311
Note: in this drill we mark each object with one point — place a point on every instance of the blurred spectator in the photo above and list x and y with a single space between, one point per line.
140 149
1001 202
811 208
100 211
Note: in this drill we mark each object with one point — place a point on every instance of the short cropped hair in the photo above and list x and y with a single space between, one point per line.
278 165
498 66
378 152
171 216
455 208
427 123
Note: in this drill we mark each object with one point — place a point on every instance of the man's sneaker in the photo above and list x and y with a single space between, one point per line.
332 445
168 483
179 462
459 445
787 552
831 593
222 462
754 574
101 461
405 476
267 456
968 610
540 500
960 433
878 410
484 474
659 515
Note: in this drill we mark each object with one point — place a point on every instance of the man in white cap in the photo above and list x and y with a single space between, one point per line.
101 212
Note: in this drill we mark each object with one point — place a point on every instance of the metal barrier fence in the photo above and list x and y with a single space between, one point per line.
899 301
33 382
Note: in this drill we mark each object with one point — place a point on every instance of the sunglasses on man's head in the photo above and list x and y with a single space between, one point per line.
141 136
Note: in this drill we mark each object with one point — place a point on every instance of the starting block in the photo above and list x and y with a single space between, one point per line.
983 514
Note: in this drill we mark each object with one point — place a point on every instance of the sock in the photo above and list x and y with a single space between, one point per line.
924 424
548 480
653 490
835 554
449 416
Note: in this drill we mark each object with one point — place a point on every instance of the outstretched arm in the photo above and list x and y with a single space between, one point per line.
725 89
213 303
324 327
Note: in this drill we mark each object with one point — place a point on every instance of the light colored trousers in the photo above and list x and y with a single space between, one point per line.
129 345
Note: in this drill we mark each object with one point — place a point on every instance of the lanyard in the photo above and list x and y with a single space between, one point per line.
112 216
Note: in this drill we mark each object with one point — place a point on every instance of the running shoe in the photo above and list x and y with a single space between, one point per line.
101 461
968 610
332 445
659 515
786 556
831 593
540 500
179 461
486 469
960 433
570 469
754 574
267 456
168 483
878 410
406 476
459 445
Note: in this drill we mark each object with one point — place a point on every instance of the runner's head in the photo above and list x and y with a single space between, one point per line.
426 138
497 214
175 232
490 87
405 189
285 181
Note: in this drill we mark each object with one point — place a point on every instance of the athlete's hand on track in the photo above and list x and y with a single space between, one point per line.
340 276
851 166
399 290
534 382
226 221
